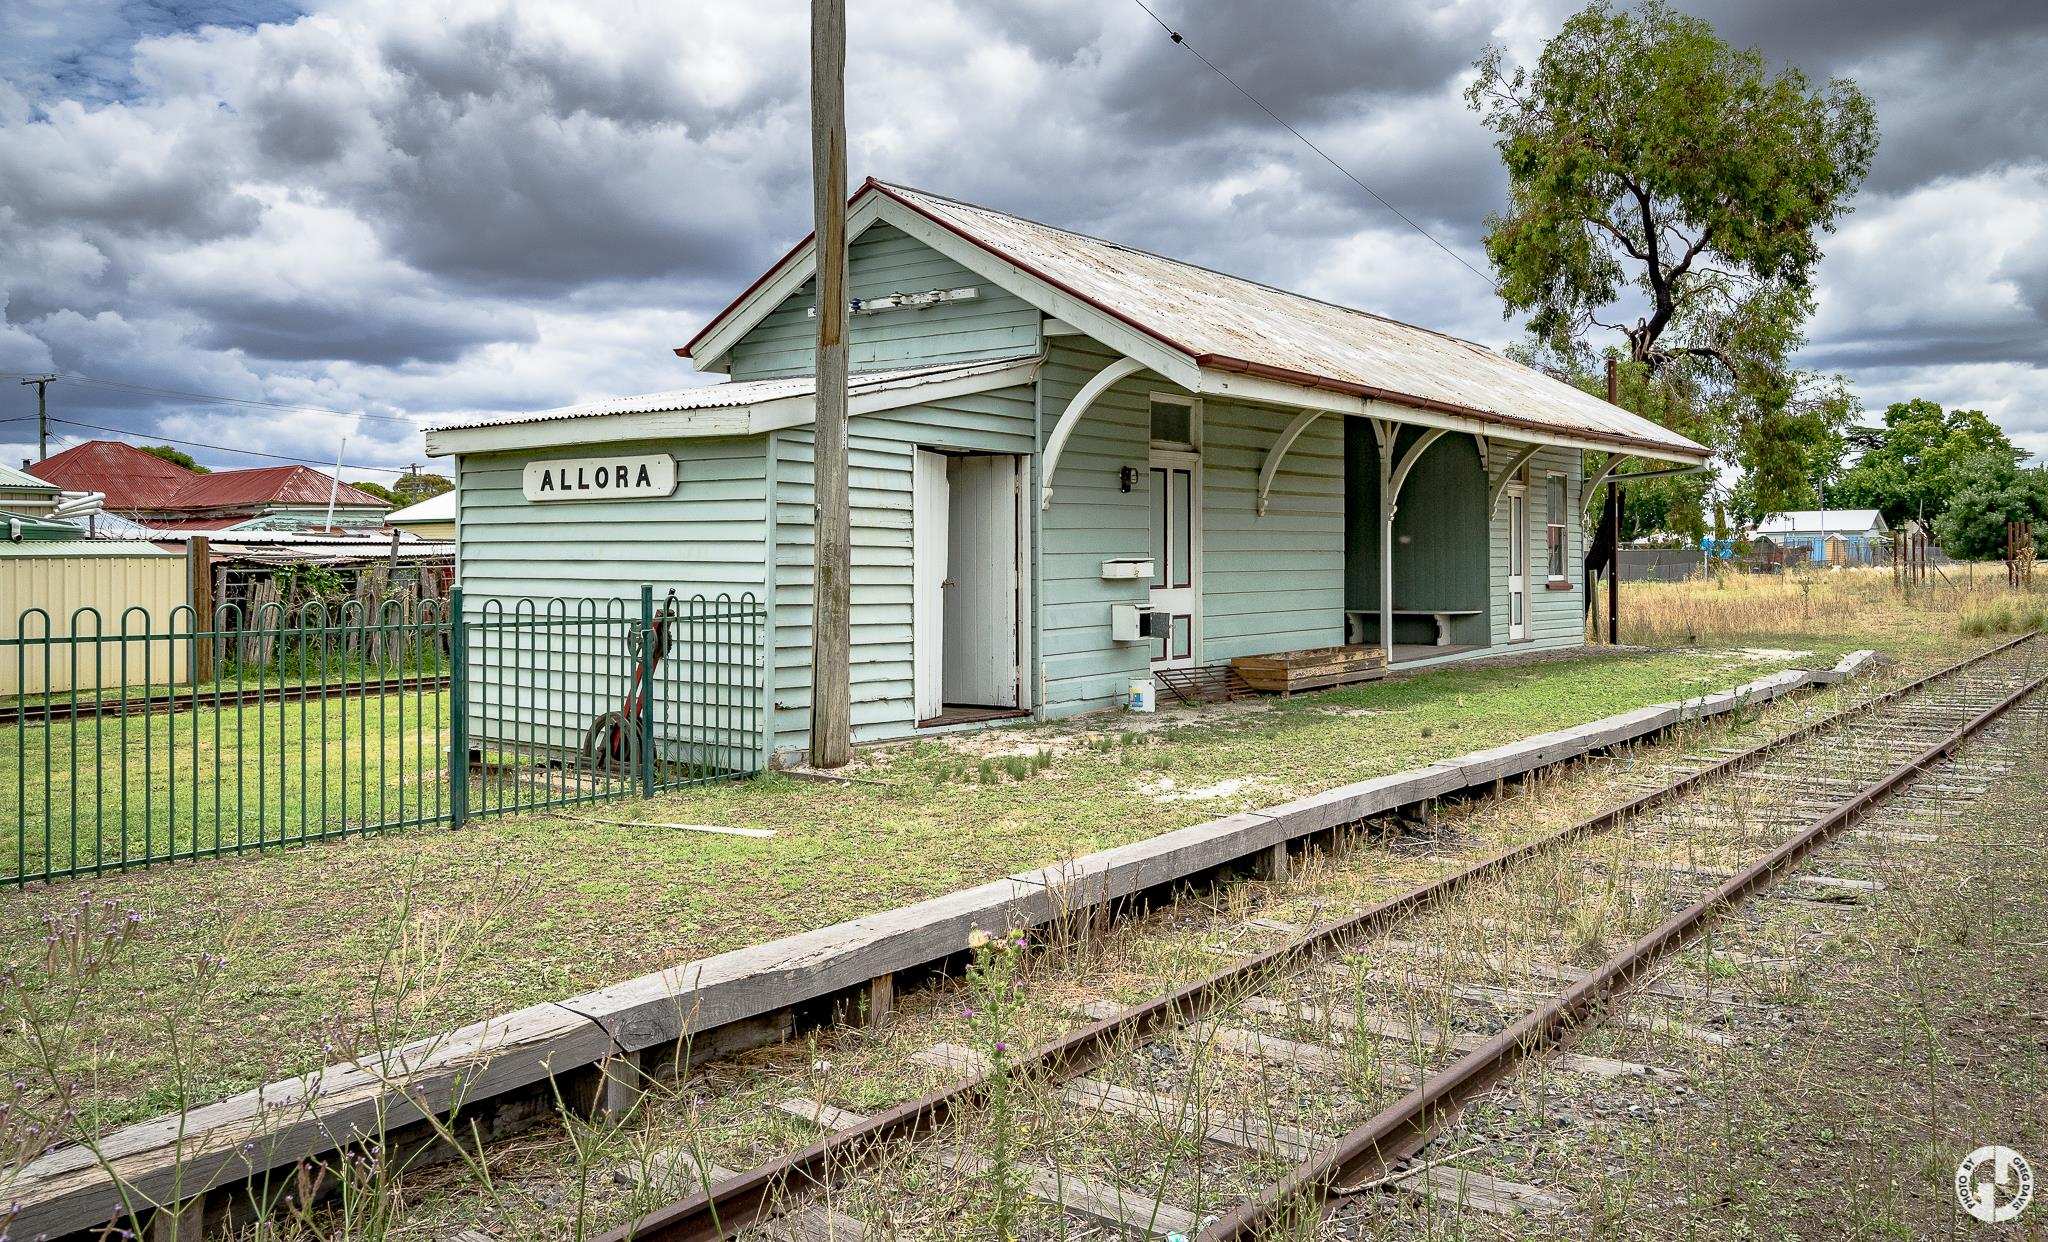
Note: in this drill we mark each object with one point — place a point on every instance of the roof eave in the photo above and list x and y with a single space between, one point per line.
749 418
1507 426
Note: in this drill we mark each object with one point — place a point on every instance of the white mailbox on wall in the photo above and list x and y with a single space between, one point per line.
1127 568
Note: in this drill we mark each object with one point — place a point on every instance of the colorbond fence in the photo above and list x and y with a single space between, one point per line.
322 721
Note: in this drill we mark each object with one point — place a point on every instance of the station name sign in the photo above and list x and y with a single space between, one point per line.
601 478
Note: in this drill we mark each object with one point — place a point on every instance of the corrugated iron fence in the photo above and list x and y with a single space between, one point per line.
144 739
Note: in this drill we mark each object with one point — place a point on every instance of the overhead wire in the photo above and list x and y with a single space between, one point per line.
223 448
216 398
1305 141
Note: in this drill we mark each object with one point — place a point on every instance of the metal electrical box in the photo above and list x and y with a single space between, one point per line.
1124 623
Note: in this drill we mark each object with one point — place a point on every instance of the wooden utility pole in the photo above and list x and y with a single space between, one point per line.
1610 525
199 572
42 383
831 603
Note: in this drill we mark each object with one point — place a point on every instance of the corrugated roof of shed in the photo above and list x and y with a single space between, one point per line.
1816 521
21 481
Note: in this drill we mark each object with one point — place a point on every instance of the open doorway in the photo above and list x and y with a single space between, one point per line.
967 551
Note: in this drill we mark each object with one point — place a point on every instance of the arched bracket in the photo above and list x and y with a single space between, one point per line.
1271 469
1499 487
1613 460
1056 443
1386 430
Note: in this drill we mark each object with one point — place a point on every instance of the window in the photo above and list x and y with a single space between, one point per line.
1173 422
1554 515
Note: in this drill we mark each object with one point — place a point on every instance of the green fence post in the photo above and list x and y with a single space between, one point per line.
458 706
647 656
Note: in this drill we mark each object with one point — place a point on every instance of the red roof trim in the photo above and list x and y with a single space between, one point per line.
1036 274
684 351
1218 362
1307 379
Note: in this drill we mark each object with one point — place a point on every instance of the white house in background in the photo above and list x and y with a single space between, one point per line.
432 518
1856 533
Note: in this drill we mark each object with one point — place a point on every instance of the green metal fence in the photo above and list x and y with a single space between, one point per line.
151 739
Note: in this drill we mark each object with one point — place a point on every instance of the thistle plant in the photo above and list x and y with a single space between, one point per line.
990 1013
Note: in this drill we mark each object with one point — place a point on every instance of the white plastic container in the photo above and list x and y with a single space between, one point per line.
1143 695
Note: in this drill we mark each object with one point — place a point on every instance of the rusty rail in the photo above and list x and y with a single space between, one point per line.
717 1211
1405 1126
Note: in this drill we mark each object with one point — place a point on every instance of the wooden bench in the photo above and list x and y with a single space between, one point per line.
1355 619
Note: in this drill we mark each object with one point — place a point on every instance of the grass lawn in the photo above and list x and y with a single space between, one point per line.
96 791
513 911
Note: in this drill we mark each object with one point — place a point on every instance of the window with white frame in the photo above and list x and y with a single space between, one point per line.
1554 514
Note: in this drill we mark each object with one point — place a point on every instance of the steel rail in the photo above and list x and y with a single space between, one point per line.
1405 1126
716 1211
171 703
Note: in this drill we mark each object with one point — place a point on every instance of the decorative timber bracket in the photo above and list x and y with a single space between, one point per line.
1056 443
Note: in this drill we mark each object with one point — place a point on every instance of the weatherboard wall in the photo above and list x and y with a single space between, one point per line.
881 261
1556 617
881 450
552 561
1269 583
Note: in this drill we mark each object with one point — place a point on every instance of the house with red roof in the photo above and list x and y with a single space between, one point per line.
168 496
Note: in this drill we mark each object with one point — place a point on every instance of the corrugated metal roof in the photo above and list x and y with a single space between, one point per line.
82 547
1817 521
728 396
135 480
1219 320
131 478
19 481
439 507
287 485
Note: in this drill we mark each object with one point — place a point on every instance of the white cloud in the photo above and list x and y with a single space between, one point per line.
475 205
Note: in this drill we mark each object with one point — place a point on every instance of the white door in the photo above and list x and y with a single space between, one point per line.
980 666
930 544
1176 499
1518 562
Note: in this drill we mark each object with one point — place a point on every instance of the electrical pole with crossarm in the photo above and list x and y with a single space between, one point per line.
42 383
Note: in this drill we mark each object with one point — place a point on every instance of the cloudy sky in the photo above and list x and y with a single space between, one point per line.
403 210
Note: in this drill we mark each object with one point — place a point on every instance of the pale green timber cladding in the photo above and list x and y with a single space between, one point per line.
885 260
708 538
880 451
1270 583
1441 557
1556 618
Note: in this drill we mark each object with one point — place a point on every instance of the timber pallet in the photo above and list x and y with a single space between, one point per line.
1290 672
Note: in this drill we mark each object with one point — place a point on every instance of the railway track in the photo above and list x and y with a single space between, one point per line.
56 709
1327 1065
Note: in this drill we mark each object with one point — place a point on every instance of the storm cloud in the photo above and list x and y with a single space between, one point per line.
419 210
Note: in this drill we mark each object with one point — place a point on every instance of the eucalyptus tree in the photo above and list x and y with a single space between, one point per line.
1670 191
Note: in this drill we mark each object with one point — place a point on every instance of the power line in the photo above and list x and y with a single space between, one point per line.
1282 122
219 399
222 448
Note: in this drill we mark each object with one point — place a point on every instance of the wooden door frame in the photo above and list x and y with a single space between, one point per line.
1518 489
1171 459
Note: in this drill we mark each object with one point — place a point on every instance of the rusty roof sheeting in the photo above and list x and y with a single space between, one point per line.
1233 324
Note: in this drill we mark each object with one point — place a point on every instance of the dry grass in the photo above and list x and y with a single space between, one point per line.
1860 606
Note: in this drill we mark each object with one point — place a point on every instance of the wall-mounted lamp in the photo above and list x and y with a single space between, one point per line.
1127 478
